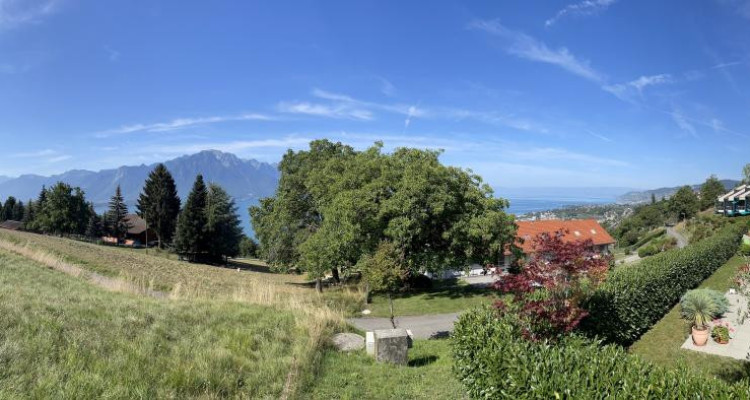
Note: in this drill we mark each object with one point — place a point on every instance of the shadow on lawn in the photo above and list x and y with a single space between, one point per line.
422 361
734 373
448 290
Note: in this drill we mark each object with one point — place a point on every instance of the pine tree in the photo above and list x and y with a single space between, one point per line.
17 211
159 204
116 215
223 231
29 213
6 212
190 239
94 228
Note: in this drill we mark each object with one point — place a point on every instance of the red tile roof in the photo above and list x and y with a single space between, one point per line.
577 229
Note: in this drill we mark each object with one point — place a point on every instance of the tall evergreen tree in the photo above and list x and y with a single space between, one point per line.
29 213
190 237
223 231
159 204
6 212
94 228
116 215
17 211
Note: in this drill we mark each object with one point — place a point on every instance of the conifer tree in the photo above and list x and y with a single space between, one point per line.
190 237
116 215
94 228
17 211
223 231
27 222
6 212
159 204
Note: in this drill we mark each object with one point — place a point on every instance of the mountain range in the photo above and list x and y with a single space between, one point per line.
246 180
635 197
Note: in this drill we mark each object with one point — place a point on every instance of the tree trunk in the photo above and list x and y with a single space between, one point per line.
319 285
367 294
393 319
335 273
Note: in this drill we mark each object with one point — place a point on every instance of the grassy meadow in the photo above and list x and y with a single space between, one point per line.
63 337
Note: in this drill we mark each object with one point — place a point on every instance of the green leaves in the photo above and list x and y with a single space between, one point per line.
493 361
159 204
634 297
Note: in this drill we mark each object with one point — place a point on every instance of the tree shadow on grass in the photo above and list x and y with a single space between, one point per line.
422 361
448 292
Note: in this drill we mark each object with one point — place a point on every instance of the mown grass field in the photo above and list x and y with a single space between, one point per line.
357 376
439 300
661 344
61 337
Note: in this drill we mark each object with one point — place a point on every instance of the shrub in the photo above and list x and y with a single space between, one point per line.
720 334
633 298
699 307
745 249
492 361
659 232
419 282
647 251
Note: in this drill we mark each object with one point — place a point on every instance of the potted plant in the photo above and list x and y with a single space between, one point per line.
720 334
698 308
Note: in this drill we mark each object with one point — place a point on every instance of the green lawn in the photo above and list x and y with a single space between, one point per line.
661 344
357 375
439 300
61 337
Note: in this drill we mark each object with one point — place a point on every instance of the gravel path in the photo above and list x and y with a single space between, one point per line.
422 326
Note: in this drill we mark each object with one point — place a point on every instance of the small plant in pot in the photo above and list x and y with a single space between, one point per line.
698 308
720 334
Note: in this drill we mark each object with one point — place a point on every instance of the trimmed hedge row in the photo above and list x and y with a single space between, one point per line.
635 297
647 238
492 361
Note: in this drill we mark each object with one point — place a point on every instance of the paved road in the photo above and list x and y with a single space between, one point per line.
422 326
681 240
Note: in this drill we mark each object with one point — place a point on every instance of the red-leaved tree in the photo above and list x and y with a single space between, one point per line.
549 289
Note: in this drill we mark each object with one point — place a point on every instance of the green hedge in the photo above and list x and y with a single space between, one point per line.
647 238
635 297
492 361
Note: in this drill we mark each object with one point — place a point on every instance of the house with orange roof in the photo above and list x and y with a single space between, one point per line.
573 230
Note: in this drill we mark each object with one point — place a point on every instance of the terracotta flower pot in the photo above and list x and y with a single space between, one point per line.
700 336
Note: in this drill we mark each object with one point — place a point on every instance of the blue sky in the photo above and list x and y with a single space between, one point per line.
555 93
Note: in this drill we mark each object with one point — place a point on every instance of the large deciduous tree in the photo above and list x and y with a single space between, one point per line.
190 239
159 204
62 210
335 205
684 203
710 191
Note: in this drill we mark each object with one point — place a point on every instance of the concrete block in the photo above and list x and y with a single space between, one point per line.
392 346
370 343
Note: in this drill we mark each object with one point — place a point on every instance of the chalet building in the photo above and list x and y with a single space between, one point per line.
573 230
735 202
138 234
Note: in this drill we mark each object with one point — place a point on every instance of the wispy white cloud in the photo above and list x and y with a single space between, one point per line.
236 146
407 121
599 136
727 64
182 123
35 154
625 91
583 8
341 111
682 122
14 13
522 45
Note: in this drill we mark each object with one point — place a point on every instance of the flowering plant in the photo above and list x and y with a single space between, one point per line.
550 288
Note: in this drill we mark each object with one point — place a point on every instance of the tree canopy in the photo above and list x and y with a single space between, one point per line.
684 203
159 205
190 239
335 205
117 225
710 191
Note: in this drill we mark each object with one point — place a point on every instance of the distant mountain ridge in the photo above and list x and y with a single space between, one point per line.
245 180
644 196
